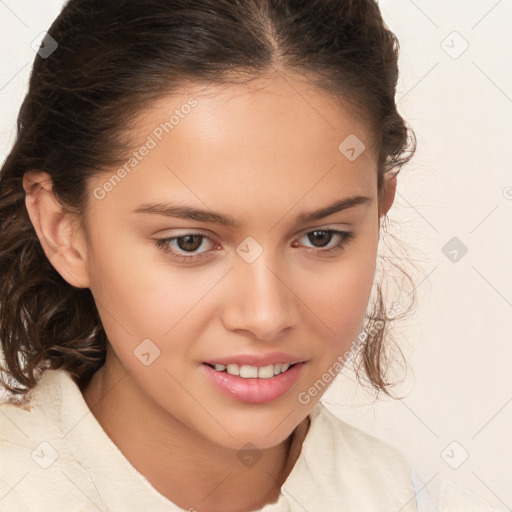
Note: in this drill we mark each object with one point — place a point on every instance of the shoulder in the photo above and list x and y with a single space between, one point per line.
350 439
21 421
349 469
15 451
22 427
25 423
31 415
11 499
354 456
38 469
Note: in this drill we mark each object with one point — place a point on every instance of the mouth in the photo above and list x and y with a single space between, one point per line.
253 384
252 372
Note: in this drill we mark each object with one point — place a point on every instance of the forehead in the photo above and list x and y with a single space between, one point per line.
277 139
283 105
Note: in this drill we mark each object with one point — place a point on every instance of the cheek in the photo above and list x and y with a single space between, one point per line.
139 297
125 292
339 296
341 299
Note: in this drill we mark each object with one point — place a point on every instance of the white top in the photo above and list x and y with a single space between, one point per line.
56 457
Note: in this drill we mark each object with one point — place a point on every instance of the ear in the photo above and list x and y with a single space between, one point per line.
388 195
58 231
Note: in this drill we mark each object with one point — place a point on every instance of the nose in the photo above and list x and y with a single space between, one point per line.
261 304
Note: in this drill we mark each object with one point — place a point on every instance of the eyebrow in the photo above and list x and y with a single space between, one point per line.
186 212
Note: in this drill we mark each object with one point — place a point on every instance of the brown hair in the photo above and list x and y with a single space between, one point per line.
115 54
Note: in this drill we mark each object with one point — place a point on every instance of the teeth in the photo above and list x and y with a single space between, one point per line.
248 372
266 372
233 369
252 372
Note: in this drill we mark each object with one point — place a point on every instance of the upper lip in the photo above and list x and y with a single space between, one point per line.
257 359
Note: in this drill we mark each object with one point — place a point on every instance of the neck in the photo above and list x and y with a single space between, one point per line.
179 463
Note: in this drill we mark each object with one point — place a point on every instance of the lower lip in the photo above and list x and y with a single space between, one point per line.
253 391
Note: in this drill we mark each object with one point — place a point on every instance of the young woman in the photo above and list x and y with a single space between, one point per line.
190 220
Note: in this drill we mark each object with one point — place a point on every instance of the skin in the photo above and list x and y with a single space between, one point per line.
262 155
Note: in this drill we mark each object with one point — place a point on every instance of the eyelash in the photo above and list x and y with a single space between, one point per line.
163 244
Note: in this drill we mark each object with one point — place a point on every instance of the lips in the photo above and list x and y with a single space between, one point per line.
253 390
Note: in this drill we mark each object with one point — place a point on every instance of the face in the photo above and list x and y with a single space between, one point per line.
177 291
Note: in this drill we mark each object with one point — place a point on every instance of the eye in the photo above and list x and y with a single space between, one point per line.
188 242
184 247
321 238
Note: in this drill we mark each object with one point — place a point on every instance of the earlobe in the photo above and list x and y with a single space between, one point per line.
58 231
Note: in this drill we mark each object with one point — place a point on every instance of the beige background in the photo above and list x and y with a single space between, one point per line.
458 343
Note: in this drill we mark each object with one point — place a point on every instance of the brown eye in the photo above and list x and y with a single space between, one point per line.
184 247
320 238
189 242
